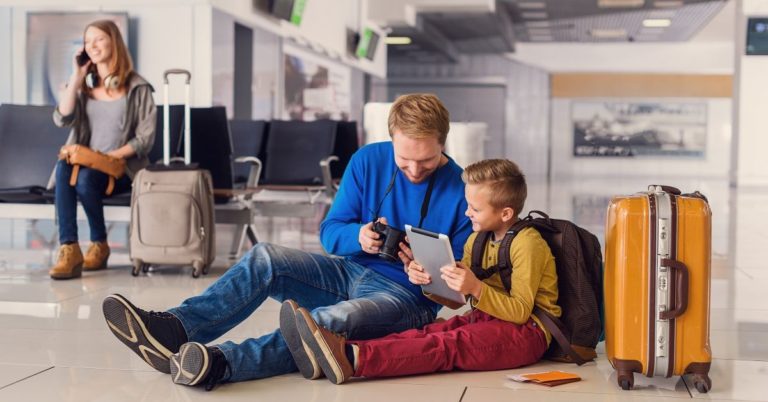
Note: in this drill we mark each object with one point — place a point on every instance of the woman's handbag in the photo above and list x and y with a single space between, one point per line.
77 155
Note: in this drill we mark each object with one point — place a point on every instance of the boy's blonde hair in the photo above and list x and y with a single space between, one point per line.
419 116
503 179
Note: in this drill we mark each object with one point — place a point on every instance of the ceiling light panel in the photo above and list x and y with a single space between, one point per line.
620 3
657 23
532 5
534 15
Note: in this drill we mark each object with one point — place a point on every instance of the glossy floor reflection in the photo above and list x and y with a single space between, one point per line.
56 347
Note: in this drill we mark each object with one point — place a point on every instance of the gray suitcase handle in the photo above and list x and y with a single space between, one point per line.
166 117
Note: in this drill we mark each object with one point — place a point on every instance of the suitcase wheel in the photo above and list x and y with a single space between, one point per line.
139 266
626 380
197 268
702 383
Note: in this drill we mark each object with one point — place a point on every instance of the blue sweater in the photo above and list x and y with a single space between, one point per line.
362 187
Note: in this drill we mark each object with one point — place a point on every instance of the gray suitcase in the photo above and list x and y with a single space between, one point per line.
172 213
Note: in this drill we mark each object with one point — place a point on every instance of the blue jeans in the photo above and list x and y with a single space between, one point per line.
89 189
343 296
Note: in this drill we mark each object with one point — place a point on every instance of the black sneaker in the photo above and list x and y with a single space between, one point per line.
198 364
153 336
302 354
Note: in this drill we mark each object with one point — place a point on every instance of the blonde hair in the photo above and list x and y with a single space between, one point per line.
419 116
503 179
120 63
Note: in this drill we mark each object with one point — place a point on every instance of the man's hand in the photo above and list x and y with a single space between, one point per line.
417 275
368 239
461 279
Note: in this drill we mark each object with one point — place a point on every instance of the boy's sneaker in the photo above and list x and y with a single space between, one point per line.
198 364
328 347
153 336
302 354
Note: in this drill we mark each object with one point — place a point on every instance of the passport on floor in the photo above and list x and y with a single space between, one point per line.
549 378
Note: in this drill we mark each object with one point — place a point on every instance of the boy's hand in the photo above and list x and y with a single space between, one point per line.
461 279
417 275
405 253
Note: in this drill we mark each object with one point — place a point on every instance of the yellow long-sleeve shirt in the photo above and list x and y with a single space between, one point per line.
534 279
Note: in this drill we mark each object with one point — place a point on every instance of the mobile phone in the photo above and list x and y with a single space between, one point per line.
83 58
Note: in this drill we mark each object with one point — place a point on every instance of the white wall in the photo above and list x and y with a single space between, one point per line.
715 163
751 104
223 62
6 45
686 57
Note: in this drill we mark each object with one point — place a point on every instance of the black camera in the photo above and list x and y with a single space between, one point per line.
391 238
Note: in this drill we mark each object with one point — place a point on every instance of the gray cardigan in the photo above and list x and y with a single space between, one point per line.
139 130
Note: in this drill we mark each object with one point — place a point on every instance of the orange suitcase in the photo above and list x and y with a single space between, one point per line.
657 285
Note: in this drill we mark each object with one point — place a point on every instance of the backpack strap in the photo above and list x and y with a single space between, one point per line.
558 331
503 264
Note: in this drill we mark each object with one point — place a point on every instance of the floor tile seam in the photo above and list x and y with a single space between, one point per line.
682 395
26 378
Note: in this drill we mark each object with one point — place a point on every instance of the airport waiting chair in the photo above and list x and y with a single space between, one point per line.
30 146
346 144
248 145
211 148
296 176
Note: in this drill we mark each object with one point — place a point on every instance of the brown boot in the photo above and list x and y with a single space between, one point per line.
69 264
328 348
96 257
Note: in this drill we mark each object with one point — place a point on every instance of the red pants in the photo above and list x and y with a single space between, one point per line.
474 342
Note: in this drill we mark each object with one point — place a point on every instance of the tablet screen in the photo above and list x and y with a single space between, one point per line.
433 251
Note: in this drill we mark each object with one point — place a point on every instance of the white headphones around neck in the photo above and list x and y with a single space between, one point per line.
92 81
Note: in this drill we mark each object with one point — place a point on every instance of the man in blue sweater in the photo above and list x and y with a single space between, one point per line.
360 295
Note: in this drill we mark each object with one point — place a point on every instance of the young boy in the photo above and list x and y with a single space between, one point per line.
499 333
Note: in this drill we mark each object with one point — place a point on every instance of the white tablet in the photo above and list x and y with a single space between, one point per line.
433 251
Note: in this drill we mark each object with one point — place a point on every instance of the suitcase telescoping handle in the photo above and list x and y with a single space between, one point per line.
663 188
680 278
166 117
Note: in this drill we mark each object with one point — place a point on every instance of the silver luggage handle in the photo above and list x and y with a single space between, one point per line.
166 117
176 71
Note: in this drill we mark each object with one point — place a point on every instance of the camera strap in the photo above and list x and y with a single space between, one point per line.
424 203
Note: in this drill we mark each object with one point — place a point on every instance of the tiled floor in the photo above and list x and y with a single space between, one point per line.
54 345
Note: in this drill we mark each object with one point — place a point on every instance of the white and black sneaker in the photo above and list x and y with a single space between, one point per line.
303 356
153 336
198 364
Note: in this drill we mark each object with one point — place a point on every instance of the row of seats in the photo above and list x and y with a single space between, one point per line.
290 152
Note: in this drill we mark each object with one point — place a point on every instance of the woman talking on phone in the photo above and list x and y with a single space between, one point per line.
110 110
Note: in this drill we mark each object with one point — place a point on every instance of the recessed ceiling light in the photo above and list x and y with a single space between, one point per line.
531 5
398 40
668 3
531 15
620 3
608 33
537 24
657 23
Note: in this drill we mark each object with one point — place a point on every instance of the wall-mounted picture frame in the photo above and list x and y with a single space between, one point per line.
52 40
639 129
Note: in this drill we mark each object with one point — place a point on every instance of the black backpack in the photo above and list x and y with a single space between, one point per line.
579 264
